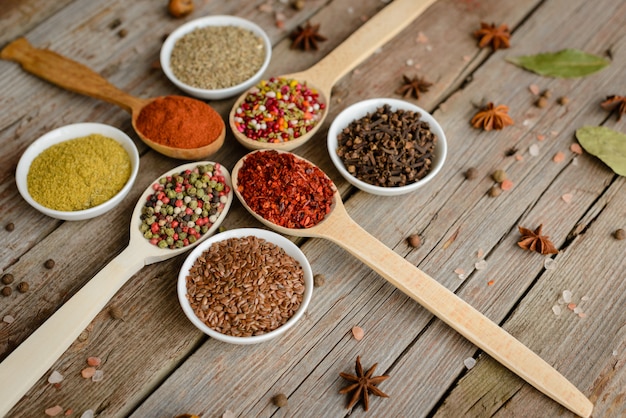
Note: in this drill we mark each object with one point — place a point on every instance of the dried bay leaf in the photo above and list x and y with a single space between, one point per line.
606 144
567 63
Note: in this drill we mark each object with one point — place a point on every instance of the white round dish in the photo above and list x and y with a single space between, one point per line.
66 133
220 20
361 109
289 247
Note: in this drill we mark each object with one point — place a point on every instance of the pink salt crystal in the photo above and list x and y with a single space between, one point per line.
519 157
480 253
558 157
576 149
93 361
88 372
533 150
98 376
480 265
540 137
88 414
582 315
567 296
571 306
54 411
358 333
534 89
469 362
567 197
556 309
421 38
55 377
9 319
228 414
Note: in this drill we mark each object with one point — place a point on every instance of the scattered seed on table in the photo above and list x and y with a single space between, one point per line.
55 377
499 176
7 278
98 376
558 157
49 264
619 234
494 191
567 197
576 148
358 333
563 100
10 226
88 372
23 287
6 291
471 173
116 313
319 280
53 411
8 319
93 361
533 150
414 240
506 185
280 400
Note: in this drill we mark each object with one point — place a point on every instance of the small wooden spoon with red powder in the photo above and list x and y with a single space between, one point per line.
177 126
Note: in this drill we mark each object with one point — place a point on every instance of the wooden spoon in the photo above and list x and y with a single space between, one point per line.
78 78
339 228
33 357
322 76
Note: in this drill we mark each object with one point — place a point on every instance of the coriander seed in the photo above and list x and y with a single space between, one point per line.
280 400
10 226
49 264
563 100
541 102
6 291
319 280
494 191
23 287
471 173
7 278
414 241
619 234
499 176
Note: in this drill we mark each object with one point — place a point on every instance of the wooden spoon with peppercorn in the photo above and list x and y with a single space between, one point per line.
261 130
35 355
332 222
78 78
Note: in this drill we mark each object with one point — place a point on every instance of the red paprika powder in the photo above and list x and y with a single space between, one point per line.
180 122
285 190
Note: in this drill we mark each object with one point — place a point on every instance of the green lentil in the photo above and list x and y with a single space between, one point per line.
79 173
217 57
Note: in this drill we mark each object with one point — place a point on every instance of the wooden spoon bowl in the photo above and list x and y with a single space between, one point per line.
78 78
322 76
33 357
338 227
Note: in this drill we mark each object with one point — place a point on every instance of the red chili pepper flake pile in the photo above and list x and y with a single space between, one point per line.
184 206
278 110
285 190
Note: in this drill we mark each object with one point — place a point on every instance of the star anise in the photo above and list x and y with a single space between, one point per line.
498 37
613 103
363 384
413 86
534 241
492 117
306 37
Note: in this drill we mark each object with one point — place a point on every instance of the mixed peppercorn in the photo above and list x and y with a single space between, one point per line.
184 206
278 110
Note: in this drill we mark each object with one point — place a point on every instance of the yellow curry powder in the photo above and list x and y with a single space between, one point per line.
79 173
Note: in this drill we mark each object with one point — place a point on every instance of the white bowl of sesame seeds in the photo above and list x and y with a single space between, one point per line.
245 285
216 57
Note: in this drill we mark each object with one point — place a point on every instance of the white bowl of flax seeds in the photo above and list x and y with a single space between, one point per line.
216 57
245 286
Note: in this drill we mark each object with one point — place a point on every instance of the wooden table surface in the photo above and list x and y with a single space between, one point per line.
156 364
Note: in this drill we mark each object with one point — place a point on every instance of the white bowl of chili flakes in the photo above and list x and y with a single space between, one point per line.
245 286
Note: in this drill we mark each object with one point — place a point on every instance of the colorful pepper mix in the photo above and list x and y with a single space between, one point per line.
278 110
184 206
285 190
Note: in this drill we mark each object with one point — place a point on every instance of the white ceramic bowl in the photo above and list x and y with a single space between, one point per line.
221 20
66 133
289 247
361 109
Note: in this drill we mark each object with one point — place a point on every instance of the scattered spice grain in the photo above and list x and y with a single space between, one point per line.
619 234
10 226
280 400
180 122
79 173
536 241
362 383
388 148
49 264
23 287
284 189
541 102
494 191
278 110
497 36
471 173
217 57
306 37
414 240
7 291
492 117
319 280
563 100
116 313
7 278
184 206
506 184
245 286
558 157
499 176
576 148
180 8
358 333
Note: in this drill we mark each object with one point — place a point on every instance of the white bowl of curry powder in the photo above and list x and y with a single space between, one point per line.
78 171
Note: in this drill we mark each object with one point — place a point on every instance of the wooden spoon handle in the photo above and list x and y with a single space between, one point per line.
32 358
68 74
364 41
455 312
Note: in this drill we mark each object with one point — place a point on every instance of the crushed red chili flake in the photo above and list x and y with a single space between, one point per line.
285 190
